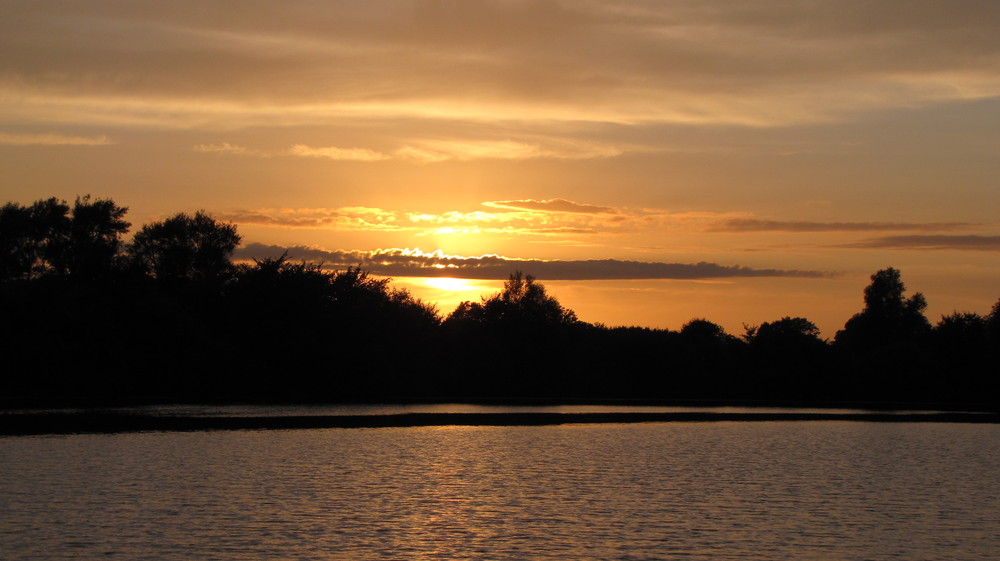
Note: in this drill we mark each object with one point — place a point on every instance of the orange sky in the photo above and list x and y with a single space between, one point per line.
650 162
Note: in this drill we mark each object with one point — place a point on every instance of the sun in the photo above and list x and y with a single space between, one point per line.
451 284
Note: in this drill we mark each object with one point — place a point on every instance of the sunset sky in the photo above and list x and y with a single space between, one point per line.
650 162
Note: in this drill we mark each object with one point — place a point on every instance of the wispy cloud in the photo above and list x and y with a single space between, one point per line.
335 153
345 218
431 151
931 243
227 148
24 139
566 218
552 205
416 263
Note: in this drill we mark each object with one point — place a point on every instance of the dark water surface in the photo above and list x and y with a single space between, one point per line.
728 490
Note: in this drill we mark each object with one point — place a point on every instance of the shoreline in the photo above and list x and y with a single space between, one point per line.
38 424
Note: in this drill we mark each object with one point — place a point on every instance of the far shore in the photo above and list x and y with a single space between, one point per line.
24 422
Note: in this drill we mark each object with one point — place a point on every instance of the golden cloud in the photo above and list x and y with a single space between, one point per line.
552 205
334 153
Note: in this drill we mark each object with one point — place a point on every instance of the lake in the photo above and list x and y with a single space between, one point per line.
719 490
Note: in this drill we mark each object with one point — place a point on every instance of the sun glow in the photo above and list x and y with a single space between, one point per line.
451 284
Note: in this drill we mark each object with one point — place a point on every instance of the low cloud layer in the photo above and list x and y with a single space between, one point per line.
415 263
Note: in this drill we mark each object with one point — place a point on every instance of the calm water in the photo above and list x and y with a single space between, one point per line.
761 491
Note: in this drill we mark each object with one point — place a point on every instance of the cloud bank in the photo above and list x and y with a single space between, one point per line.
415 263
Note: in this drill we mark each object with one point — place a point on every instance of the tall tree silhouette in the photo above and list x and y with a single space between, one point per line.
885 345
888 317
51 238
185 248
993 325
94 238
50 223
18 244
522 302
519 340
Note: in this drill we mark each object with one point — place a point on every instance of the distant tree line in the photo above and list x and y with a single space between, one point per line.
168 316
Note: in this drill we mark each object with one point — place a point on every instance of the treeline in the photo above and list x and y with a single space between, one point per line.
169 316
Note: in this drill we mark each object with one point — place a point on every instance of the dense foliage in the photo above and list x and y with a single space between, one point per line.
169 316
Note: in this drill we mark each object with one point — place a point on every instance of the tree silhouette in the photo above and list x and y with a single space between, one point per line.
961 329
705 332
50 238
520 340
34 240
888 317
789 358
51 224
18 244
185 248
786 332
522 302
993 325
94 238
77 321
884 347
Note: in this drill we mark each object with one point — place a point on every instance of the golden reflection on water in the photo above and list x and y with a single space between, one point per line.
739 491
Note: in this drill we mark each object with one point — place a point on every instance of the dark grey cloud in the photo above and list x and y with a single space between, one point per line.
759 225
927 243
411 263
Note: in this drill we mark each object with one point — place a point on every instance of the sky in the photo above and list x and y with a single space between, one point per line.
648 162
